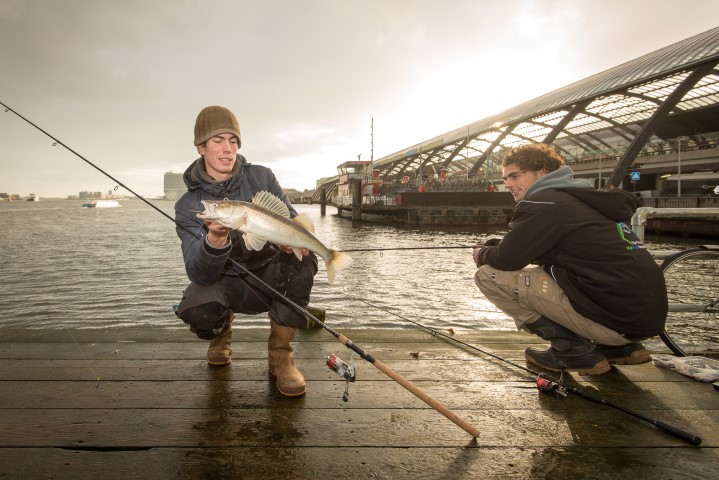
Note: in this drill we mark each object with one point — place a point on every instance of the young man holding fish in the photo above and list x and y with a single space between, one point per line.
570 270
218 288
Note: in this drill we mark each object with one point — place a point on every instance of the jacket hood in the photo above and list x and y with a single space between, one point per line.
196 177
616 205
562 177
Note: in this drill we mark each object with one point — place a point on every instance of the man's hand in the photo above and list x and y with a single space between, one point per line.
217 235
476 256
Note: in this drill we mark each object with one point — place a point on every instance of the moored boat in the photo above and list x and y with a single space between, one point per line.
101 204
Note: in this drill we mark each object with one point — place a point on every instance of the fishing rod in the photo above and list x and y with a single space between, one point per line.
58 142
551 385
474 432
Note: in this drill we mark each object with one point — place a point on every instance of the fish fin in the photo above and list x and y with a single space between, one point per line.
272 203
305 221
253 242
337 261
298 253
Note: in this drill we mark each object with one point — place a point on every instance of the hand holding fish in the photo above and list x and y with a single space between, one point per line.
217 234
267 219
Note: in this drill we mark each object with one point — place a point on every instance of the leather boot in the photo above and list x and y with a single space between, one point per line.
629 354
219 352
568 351
281 360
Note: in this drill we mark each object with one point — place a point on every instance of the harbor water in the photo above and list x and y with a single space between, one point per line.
64 266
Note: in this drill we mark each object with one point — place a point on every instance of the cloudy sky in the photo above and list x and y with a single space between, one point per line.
121 82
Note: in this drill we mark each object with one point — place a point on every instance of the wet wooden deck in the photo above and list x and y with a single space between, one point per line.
142 403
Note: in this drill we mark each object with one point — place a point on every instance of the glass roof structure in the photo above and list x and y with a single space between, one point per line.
620 112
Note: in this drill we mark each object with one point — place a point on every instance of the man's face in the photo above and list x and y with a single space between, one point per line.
220 153
517 181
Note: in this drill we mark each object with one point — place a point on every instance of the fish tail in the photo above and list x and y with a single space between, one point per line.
337 261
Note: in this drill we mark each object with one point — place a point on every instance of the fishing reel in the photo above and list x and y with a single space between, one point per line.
553 388
345 371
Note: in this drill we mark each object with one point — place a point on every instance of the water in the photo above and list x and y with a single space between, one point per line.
64 266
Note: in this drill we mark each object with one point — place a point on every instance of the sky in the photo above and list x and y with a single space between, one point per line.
121 83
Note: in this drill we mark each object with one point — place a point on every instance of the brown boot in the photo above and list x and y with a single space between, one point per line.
281 360
219 352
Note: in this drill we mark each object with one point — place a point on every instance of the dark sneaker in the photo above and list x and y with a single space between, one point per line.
629 354
581 361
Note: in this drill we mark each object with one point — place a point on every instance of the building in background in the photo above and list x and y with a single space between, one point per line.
174 186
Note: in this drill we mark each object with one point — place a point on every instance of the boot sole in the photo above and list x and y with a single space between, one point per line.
289 393
597 369
636 358
292 394
219 363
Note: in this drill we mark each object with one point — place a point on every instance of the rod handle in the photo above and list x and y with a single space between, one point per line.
686 436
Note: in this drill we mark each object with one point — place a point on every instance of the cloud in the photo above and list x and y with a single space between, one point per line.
122 82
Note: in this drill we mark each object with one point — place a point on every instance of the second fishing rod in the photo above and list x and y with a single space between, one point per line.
547 383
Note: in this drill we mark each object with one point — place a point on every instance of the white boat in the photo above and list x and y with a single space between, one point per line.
101 204
33 198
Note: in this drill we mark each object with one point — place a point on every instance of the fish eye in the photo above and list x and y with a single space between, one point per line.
214 204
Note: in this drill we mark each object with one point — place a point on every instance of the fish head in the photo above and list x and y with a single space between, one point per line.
228 213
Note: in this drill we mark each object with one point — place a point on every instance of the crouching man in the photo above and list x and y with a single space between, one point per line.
570 270
218 287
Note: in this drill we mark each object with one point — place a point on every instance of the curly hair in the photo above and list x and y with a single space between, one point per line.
534 157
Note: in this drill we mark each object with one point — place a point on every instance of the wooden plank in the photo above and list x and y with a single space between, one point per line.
359 463
587 426
432 350
476 369
158 335
327 393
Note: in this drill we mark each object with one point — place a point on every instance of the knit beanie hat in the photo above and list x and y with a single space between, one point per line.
213 121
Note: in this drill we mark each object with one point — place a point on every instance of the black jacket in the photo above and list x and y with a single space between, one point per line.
581 237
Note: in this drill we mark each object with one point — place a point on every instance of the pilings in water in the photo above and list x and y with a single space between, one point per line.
323 201
356 199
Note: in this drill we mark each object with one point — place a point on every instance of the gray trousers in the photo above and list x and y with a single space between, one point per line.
527 294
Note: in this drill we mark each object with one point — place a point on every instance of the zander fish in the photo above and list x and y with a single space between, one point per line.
267 219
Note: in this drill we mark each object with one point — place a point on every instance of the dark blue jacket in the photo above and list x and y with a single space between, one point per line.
203 263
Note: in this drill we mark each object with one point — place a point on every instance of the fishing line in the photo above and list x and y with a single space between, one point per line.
389 249
549 384
58 142
341 338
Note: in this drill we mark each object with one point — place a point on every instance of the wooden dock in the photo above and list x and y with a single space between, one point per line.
142 403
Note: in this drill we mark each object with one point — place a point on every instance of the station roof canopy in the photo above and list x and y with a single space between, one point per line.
668 93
